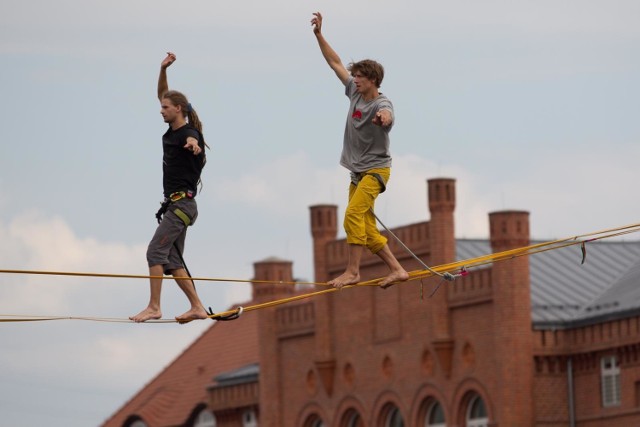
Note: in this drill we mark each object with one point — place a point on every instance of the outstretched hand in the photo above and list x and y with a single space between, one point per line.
316 21
192 145
170 59
382 118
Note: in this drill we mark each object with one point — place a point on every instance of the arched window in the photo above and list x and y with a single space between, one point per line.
314 420
352 418
394 418
435 415
249 418
477 413
205 419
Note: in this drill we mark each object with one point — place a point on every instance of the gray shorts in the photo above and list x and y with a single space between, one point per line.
170 235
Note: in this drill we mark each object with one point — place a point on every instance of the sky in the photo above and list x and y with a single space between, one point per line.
529 105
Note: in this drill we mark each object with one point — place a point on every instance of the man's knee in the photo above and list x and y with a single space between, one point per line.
356 240
376 244
355 232
353 214
153 258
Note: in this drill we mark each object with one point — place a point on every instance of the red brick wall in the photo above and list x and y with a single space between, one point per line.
367 348
513 339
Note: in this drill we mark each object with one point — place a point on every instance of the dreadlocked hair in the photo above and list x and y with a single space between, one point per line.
178 98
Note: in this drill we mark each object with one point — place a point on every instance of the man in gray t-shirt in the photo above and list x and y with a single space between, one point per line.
366 146
365 153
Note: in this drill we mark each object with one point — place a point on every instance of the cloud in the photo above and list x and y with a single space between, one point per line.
96 363
285 181
290 184
577 190
571 183
32 241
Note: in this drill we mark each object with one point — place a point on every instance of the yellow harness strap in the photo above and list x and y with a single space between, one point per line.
183 216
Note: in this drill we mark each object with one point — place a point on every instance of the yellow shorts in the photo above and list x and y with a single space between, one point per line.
359 222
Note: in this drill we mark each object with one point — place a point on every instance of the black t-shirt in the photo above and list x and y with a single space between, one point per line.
180 168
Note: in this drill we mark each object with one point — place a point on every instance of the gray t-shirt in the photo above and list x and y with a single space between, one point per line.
366 146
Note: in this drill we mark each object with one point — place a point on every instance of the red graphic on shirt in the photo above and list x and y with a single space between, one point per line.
357 115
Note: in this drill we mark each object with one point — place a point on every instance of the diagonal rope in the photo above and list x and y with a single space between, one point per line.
445 275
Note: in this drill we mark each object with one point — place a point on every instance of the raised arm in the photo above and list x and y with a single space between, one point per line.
329 54
163 85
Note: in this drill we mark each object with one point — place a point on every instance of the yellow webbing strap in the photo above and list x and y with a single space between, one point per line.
183 216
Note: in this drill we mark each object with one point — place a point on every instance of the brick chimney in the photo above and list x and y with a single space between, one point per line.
442 203
324 229
512 329
270 269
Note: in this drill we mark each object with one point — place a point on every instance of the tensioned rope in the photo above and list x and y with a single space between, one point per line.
455 269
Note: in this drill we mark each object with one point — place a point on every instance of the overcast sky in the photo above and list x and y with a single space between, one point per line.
529 105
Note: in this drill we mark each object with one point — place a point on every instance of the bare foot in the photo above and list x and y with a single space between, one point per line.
346 278
393 277
146 314
193 314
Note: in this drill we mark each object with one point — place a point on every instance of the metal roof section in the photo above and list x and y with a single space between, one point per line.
246 374
566 293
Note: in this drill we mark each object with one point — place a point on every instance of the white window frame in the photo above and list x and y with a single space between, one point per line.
389 418
353 418
205 418
252 420
318 423
476 422
610 381
432 406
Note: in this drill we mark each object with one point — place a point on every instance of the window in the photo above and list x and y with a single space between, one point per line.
313 421
476 413
435 416
352 418
394 418
205 419
610 373
249 418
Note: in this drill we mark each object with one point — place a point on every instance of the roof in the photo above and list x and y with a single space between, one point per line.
171 397
243 375
566 293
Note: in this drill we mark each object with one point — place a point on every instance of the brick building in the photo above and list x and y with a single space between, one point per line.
533 341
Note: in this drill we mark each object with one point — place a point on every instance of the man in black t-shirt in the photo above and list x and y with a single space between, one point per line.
183 159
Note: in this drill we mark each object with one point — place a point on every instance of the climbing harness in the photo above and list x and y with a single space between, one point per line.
175 197
164 207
